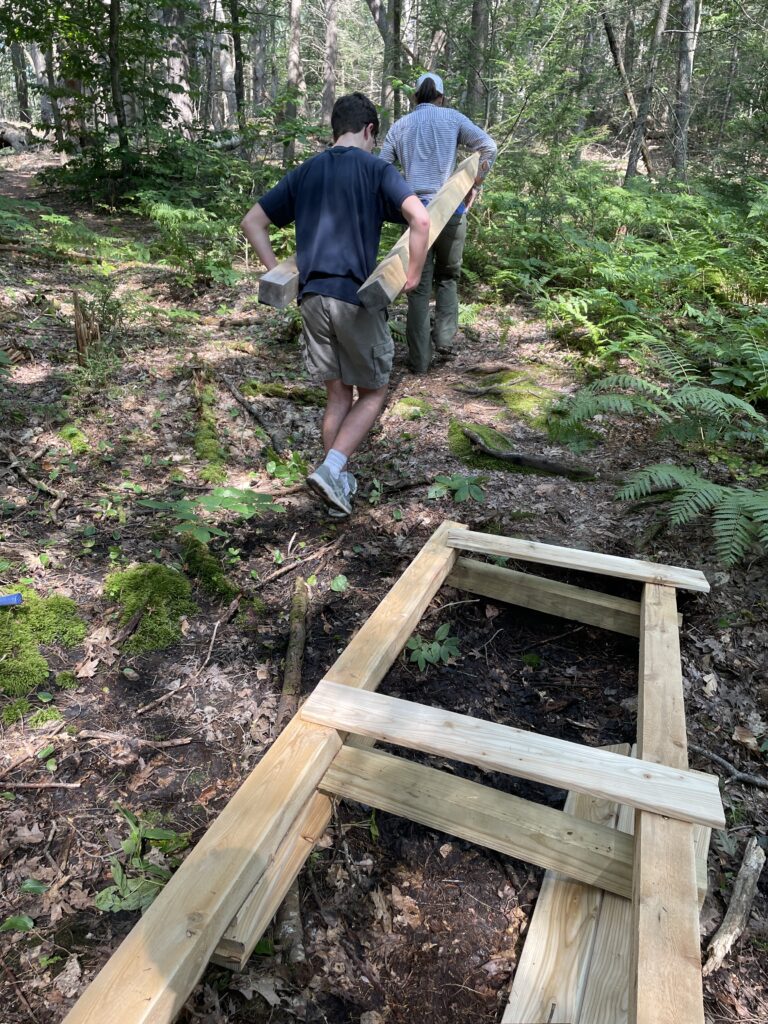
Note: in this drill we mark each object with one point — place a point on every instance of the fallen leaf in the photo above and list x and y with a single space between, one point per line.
745 737
86 669
68 980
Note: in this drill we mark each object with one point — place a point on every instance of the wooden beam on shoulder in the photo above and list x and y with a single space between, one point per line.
575 558
280 285
388 279
666 983
688 796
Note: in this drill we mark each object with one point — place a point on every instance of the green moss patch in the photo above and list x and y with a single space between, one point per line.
43 716
162 594
299 394
23 628
208 447
523 394
15 711
207 570
75 438
462 448
409 408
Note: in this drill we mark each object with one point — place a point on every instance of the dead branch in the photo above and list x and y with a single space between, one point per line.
530 461
134 742
86 330
294 565
275 436
42 785
15 466
737 915
734 774
25 757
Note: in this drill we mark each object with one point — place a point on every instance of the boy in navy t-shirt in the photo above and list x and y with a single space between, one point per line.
339 200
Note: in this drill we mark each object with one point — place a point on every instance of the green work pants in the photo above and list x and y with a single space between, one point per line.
441 269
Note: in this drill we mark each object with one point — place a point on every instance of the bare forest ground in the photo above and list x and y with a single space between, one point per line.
400 923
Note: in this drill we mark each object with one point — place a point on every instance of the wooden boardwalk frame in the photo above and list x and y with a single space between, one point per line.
222 898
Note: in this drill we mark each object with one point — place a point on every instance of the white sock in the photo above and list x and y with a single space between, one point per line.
335 462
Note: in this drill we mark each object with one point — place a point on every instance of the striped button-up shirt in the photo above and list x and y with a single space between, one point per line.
425 142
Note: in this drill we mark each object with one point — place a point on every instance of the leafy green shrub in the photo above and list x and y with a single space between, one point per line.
188 515
290 470
426 652
462 488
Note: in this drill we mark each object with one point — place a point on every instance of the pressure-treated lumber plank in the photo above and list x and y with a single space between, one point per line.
575 558
666 985
690 796
239 941
363 663
149 977
552 972
519 828
280 285
548 596
388 279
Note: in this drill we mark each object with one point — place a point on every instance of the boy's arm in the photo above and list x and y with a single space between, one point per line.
418 240
255 226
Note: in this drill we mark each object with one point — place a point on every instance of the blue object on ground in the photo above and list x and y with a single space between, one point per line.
10 599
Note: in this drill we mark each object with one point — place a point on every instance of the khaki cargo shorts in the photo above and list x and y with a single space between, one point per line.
346 342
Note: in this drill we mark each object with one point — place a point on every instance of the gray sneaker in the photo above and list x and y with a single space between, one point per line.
329 489
351 483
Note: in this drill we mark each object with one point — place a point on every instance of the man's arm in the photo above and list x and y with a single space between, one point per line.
255 226
418 240
388 152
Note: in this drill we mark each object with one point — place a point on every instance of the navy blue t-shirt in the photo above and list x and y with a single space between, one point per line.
339 200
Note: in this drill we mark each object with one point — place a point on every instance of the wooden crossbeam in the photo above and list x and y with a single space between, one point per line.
666 957
519 828
279 287
575 558
388 279
688 796
549 596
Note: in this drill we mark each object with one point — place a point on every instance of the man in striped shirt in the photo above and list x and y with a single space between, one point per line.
425 144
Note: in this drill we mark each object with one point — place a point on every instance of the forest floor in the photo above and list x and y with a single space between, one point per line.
400 923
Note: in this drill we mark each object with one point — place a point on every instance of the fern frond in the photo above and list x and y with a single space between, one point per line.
693 500
711 402
756 357
733 527
662 476
628 382
673 362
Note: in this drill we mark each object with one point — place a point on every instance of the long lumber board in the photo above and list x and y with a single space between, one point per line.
508 824
688 796
666 985
549 596
363 663
152 972
575 558
553 969
388 279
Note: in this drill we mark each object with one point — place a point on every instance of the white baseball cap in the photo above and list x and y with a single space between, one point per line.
435 78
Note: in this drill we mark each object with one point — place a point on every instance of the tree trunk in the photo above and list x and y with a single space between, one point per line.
50 74
644 107
258 47
37 60
295 75
585 75
177 66
395 10
478 44
118 107
732 69
624 78
237 46
20 79
689 30
227 94
331 61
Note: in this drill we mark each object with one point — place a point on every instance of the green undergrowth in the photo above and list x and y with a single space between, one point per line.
208 447
162 594
410 408
521 394
299 394
200 563
24 628
462 448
